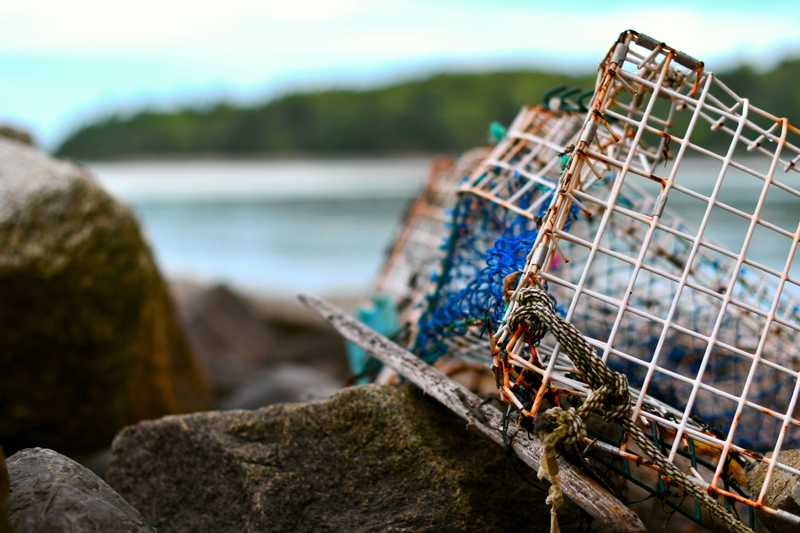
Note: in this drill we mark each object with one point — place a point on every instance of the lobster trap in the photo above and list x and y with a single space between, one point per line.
699 311
493 226
405 275
632 269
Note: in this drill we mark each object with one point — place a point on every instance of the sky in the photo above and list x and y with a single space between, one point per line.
63 63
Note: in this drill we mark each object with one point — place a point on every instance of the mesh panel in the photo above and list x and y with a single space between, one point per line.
701 314
405 275
492 230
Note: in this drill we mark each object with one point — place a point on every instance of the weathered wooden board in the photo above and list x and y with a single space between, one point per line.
603 506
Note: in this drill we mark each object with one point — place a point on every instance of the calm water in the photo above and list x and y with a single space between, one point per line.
322 226
283 226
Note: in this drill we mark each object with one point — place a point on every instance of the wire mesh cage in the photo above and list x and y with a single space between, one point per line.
700 312
492 229
416 242
495 222
405 275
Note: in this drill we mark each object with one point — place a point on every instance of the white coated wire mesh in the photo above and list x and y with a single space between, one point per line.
526 160
518 178
701 312
416 249
493 223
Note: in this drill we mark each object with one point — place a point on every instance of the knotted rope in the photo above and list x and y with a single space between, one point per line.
609 398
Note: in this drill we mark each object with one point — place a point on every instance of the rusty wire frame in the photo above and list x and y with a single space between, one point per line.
524 165
651 104
416 249
530 152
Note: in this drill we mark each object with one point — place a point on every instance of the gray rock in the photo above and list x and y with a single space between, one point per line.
281 384
370 458
89 337
5 527
52 493
235 334
225 332
784 488
303 337
16 134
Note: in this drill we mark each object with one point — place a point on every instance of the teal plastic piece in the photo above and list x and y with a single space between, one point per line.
381 316
698 508
496 132
564 161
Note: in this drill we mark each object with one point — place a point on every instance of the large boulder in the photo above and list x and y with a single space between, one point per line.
89 341
371 458
52 493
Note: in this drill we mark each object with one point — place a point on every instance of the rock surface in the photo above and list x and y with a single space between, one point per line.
89 338
236 336
224 331
370 458
784 488
4 490
282 383
52 493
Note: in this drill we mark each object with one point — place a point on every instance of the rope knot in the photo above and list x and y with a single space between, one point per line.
534 313
560 426
534 306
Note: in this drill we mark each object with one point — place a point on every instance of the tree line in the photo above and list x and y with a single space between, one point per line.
446 112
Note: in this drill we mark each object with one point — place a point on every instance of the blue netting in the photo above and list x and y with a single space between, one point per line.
469 289
485 245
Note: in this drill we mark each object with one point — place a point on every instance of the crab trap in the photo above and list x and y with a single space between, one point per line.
404 277
493 226
415 251
663 223
631 265
699 312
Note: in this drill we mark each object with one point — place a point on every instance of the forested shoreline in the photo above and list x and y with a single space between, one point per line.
445 112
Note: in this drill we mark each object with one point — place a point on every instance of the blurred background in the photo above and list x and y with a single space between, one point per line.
273 145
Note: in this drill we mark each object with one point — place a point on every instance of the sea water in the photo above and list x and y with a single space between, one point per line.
278 226
322 226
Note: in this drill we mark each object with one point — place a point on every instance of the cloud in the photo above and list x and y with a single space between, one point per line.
246 29
63 61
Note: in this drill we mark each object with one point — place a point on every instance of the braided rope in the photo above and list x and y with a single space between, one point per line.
609 398
568 426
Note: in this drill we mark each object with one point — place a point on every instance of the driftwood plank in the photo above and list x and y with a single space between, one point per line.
603 506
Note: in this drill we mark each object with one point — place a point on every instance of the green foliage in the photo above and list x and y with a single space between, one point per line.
448 112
